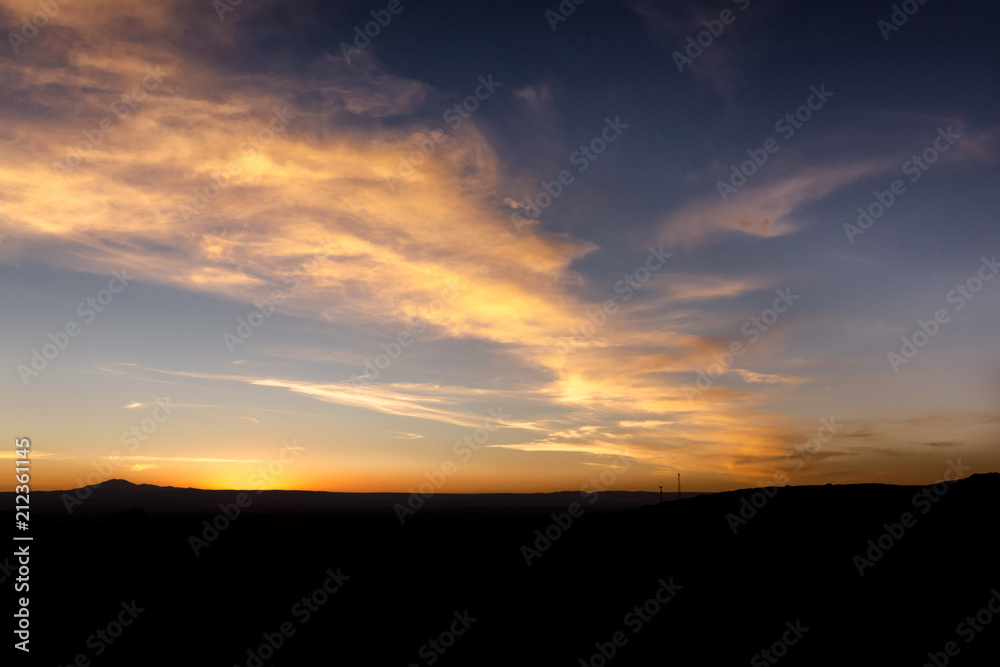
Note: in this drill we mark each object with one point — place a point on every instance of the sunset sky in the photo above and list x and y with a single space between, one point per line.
532 217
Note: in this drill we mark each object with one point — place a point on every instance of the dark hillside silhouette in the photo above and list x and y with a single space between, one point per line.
734 595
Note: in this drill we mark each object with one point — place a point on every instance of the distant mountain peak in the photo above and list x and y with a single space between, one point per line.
117 484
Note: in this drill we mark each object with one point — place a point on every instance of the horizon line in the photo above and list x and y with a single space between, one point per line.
666 494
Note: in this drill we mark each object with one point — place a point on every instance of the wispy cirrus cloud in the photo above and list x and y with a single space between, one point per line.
762 211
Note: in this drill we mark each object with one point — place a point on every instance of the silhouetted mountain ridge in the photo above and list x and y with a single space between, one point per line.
545 589
115 495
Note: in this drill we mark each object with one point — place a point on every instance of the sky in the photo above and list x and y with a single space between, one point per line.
515 247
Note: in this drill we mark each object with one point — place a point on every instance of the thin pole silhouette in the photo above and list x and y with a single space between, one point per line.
678 486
